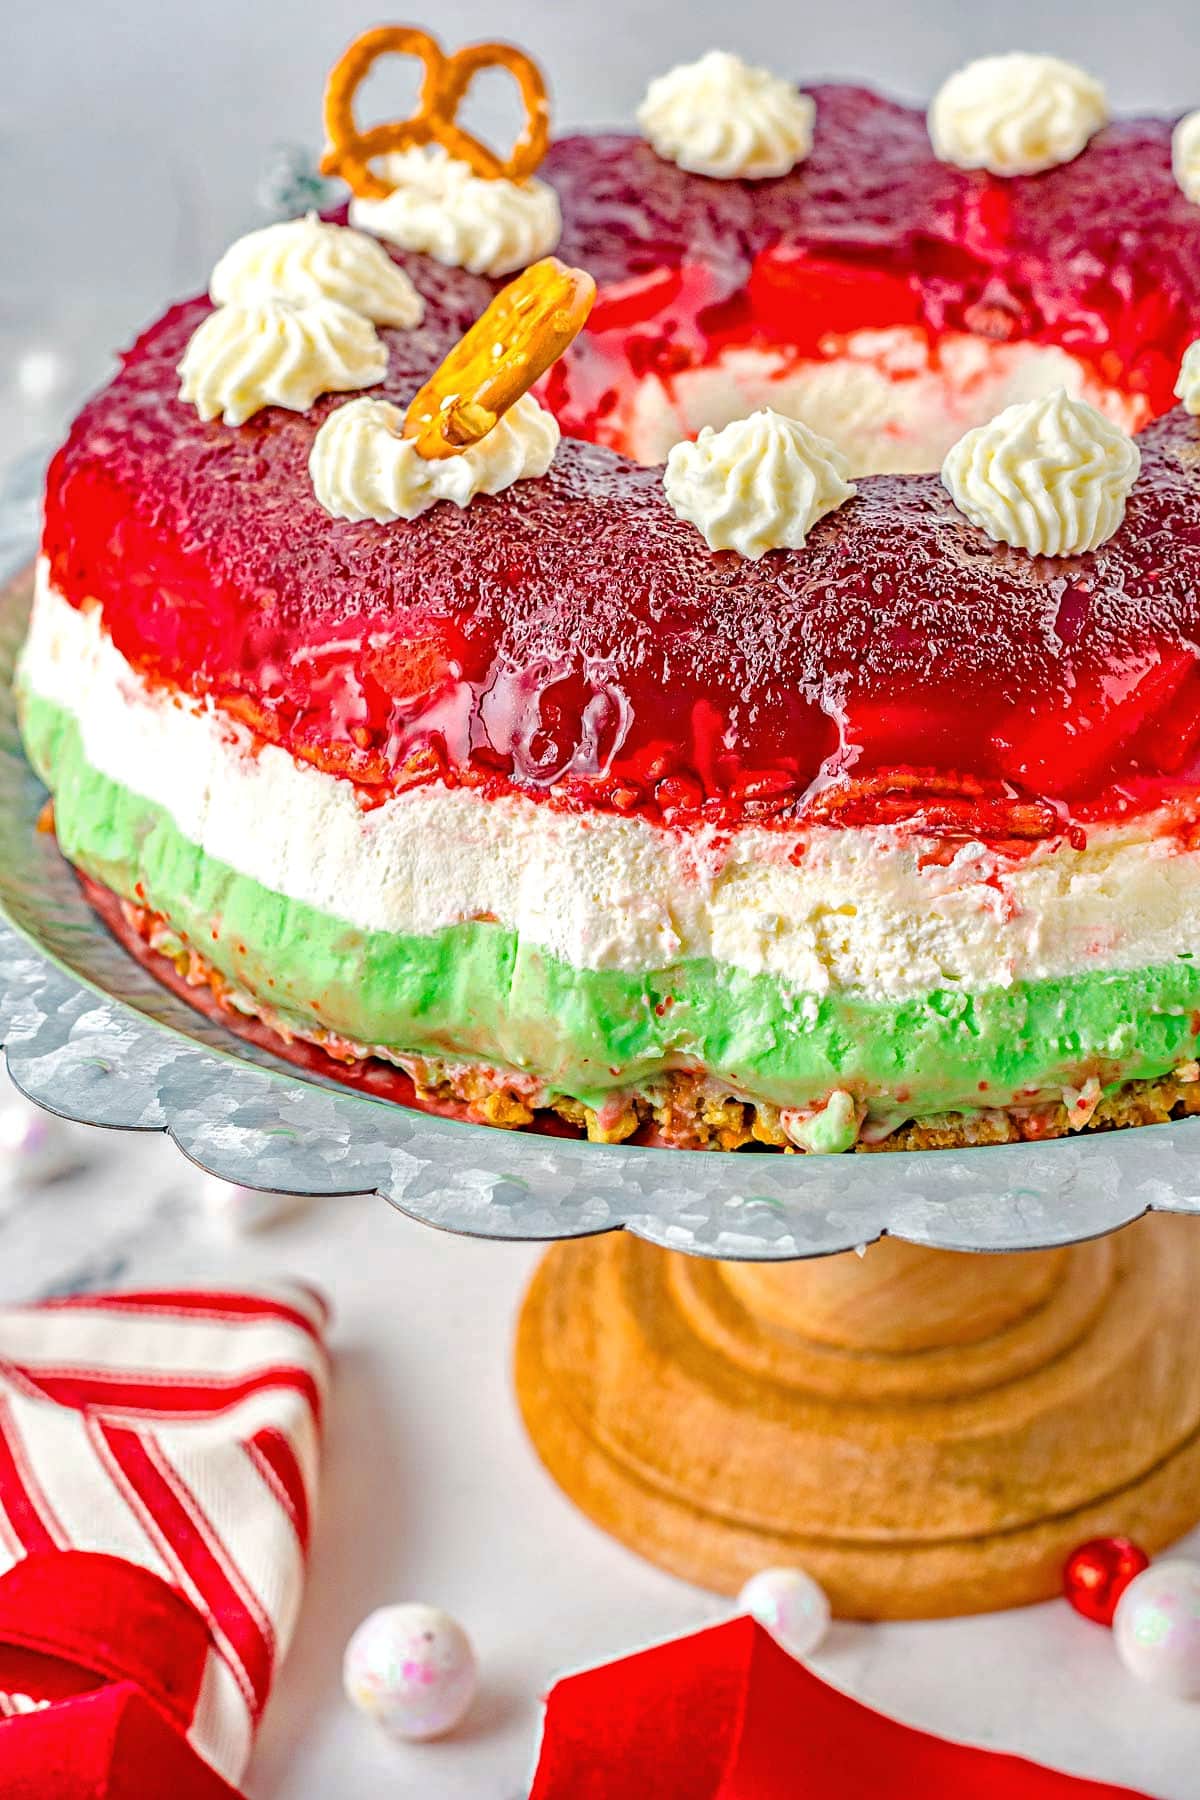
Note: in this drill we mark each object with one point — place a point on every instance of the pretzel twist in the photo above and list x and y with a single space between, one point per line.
444 84
525 329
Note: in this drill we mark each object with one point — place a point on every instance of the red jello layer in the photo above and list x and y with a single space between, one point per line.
574 639
1101 256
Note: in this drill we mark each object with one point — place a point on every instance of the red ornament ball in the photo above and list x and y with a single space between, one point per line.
1097 1574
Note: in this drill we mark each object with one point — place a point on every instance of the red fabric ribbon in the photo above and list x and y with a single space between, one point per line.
101 1665
727 1715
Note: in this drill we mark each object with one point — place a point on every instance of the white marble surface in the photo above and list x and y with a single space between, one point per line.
432 1492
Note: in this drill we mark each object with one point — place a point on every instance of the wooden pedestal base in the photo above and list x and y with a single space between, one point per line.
926 1433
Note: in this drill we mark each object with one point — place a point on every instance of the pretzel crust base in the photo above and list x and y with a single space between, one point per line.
682 1110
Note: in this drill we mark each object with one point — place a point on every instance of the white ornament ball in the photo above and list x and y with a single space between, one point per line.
1157 1627
41 374
35 1145
791 1605
234 1211
412 1670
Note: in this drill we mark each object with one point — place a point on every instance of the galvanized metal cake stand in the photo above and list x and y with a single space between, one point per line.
927 1433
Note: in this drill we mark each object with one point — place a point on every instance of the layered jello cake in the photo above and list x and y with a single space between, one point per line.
692 632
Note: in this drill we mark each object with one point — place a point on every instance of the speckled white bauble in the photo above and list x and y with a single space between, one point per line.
793 1607
412 1670
1157 1627
234 1211
35 1146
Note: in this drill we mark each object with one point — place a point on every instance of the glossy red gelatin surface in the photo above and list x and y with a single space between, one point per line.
574 639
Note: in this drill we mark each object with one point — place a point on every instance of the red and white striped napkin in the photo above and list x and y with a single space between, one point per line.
158 1471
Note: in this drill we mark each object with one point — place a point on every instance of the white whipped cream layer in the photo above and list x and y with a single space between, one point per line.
362 467
1051 477
440 207
306 259
822 908
1016 114
721 117
892 403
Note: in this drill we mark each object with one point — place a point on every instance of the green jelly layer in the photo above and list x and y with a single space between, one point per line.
477 992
